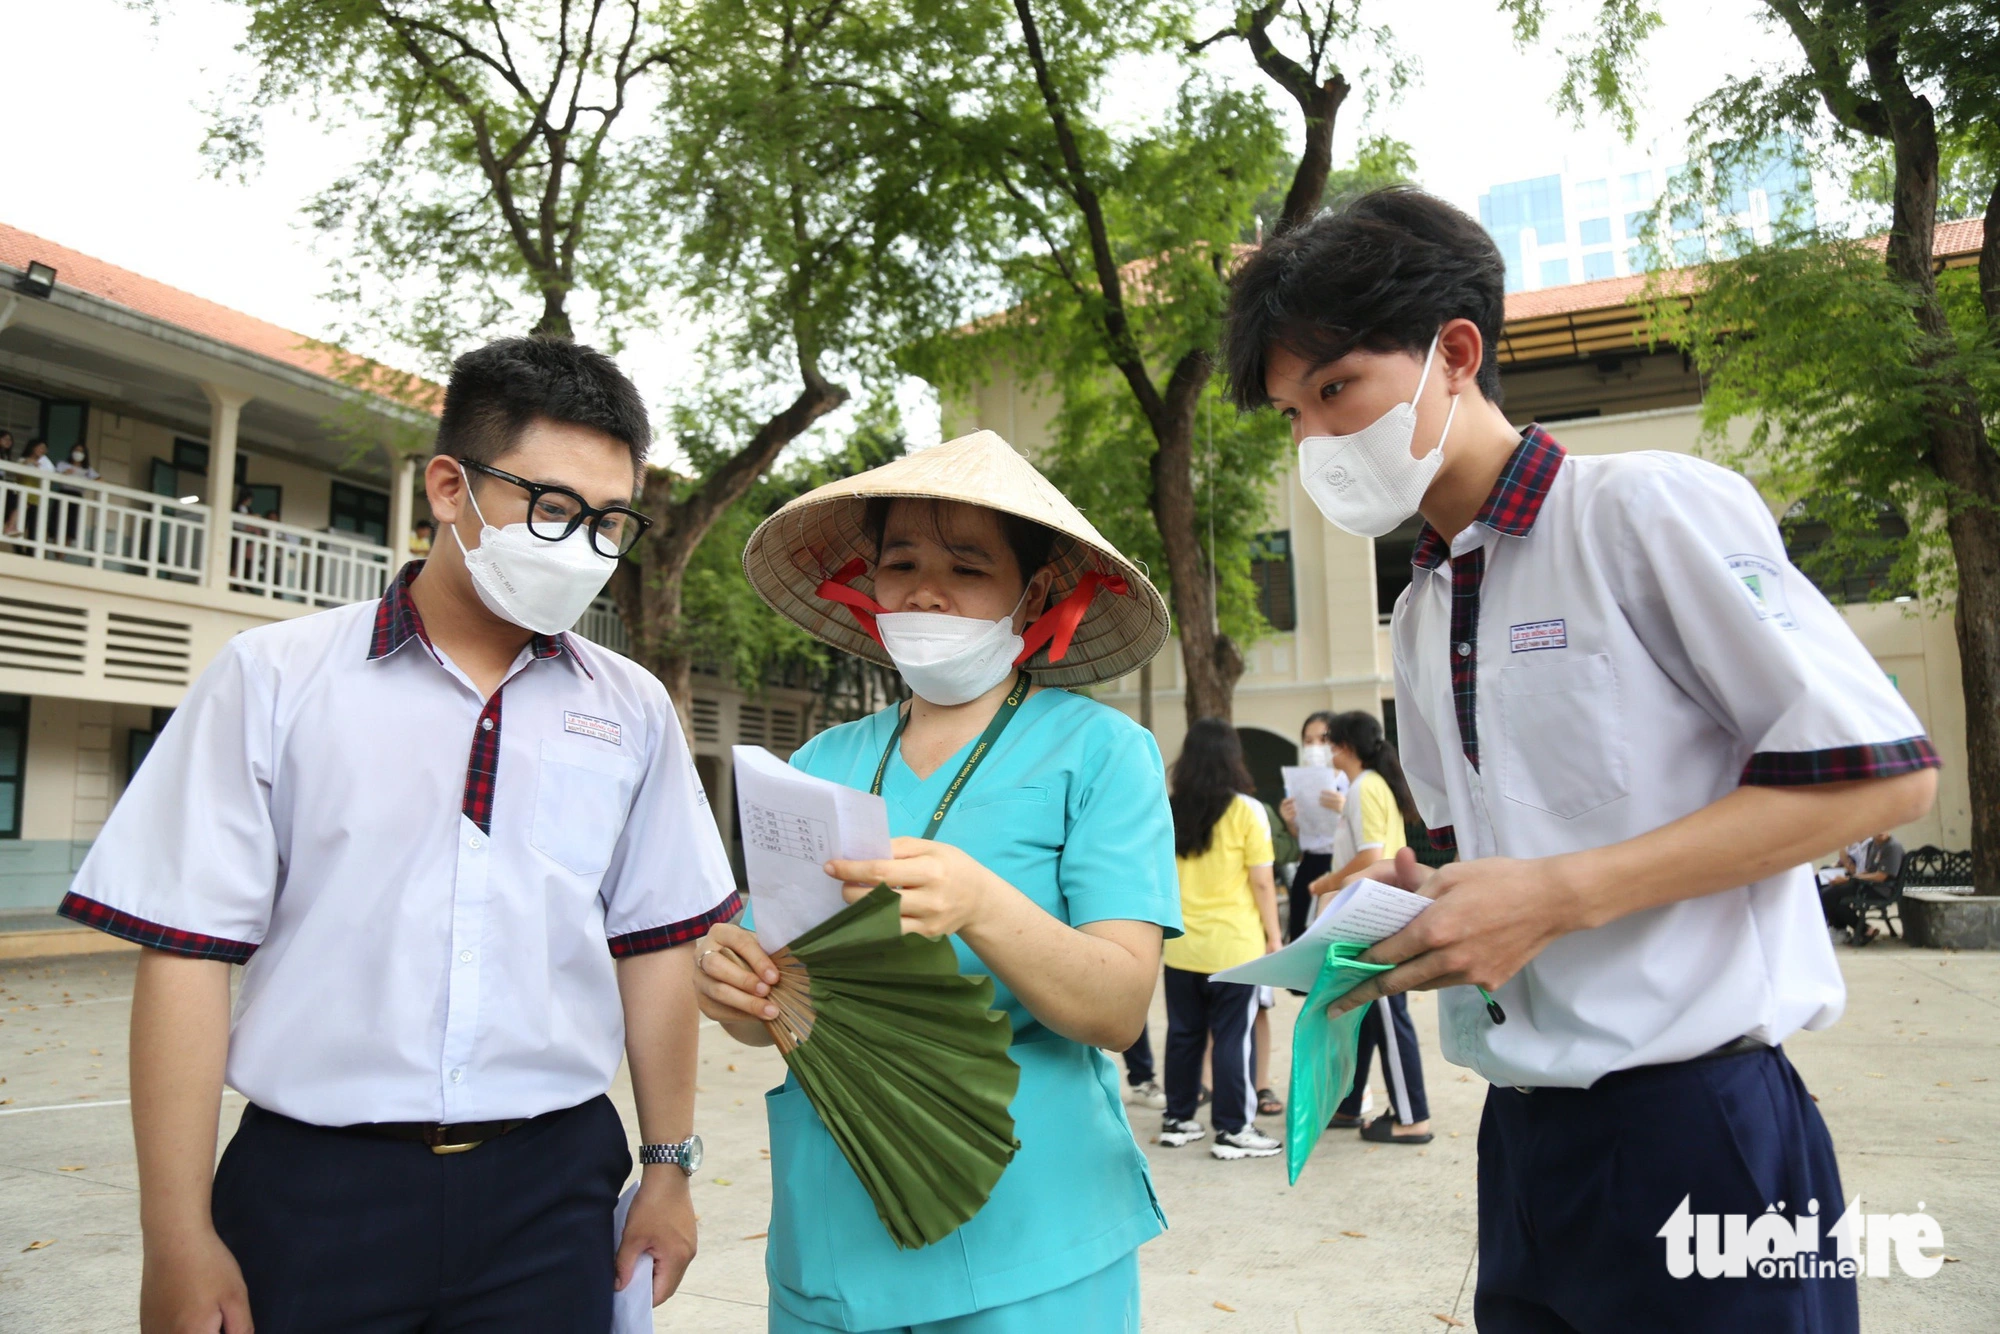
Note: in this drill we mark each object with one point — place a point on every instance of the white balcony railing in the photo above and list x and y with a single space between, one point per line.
60 517
293 564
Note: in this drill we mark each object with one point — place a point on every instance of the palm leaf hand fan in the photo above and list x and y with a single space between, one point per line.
905 1060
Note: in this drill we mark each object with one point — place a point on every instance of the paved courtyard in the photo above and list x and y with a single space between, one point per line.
1373 1238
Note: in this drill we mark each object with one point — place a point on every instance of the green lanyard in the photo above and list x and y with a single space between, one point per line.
1008 708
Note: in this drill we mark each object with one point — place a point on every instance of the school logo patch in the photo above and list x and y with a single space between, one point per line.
602 729
1537 635
1764 584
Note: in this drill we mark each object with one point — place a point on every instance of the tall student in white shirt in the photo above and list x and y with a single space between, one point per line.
1640 724
463 857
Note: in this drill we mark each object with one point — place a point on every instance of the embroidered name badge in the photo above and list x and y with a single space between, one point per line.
603 729
1537 635
1764 584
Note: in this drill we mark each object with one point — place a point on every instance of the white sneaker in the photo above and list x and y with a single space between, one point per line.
1148 1094
1248 1142
1173 1134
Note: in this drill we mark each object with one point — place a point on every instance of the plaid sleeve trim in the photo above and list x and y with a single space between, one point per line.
675 933
1840 764
168 939
1444 839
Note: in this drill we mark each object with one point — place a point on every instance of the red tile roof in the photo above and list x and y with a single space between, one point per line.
170 305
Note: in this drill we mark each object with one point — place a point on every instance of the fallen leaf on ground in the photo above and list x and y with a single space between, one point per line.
1354 1234
1873 1075
1951 1259
1455 1324
757 1236
1942 1140
36 1246
78 1167
722 1181
1221 1307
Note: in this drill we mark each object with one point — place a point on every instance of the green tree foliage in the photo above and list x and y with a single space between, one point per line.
1870 373
726 628
1112 249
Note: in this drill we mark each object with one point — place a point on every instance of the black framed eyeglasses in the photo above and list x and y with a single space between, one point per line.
554 512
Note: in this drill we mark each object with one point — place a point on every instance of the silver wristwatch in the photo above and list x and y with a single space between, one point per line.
685 1155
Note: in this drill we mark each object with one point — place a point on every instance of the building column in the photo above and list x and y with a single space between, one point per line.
402 504
225 406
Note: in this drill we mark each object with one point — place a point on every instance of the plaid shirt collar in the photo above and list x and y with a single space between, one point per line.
1516 500
397 622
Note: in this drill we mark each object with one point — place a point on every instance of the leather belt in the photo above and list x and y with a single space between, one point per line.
438 1138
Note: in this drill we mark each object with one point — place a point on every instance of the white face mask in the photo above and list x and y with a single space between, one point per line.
1316 755
1367 483
537 585
948 659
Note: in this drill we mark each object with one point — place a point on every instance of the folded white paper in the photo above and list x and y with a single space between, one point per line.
631 1307
1363 913
792 824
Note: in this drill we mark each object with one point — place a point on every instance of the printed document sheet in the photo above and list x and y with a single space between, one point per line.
792 823
1317 824
1363 913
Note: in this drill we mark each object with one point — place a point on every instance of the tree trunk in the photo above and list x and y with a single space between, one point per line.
554 322
647 583
1212 664
1958 449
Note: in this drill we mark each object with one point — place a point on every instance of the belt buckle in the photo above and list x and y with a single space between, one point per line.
455 1148
435 1133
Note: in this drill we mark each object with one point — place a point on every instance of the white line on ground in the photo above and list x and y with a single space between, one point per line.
64 1106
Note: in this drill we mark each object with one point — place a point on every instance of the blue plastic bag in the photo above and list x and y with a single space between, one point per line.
1324 1051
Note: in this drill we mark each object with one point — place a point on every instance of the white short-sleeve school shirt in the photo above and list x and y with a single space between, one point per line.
428 888
1617 642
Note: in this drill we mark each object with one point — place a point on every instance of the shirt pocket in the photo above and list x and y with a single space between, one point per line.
582 799
1562 737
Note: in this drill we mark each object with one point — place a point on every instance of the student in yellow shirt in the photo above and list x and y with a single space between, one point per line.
1229 913
1379 802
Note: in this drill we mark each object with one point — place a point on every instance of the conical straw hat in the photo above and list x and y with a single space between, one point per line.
810 539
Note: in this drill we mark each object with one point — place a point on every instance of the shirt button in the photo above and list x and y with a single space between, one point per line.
1465 650
472 842
485 724
457 1075
465 956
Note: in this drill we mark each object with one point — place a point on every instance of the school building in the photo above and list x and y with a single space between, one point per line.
240 478
1570 359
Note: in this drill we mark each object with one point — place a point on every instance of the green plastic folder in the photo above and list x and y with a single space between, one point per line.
1323 1051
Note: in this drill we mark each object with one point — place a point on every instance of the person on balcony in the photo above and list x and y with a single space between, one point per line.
77 465
34 455
445 909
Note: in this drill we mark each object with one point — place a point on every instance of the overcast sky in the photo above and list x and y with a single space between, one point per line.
107 112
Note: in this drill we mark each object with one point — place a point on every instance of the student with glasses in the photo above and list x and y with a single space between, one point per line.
461 855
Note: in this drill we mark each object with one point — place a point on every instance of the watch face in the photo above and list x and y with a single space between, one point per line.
692 1150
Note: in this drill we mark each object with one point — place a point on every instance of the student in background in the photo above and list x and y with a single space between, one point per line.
1315 854
1229 911
1379 801
421 533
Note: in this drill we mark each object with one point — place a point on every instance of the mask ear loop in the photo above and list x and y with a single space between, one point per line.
477 513
1450 412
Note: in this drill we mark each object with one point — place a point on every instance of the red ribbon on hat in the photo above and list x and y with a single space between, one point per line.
865 608
1055 627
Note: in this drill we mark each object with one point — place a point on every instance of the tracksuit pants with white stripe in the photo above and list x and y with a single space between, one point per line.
1402 1065
1199 1007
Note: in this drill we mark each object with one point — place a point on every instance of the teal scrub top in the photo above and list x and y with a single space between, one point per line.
1070 807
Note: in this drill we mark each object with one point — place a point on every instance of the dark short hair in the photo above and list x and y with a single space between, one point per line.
1384 272
497 390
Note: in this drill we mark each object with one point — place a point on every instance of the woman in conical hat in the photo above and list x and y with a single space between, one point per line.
1053 871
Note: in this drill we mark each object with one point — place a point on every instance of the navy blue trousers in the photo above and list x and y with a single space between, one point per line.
1402 1063
339 1232
1312 865
1139 1061
1575 1185
1198 1008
